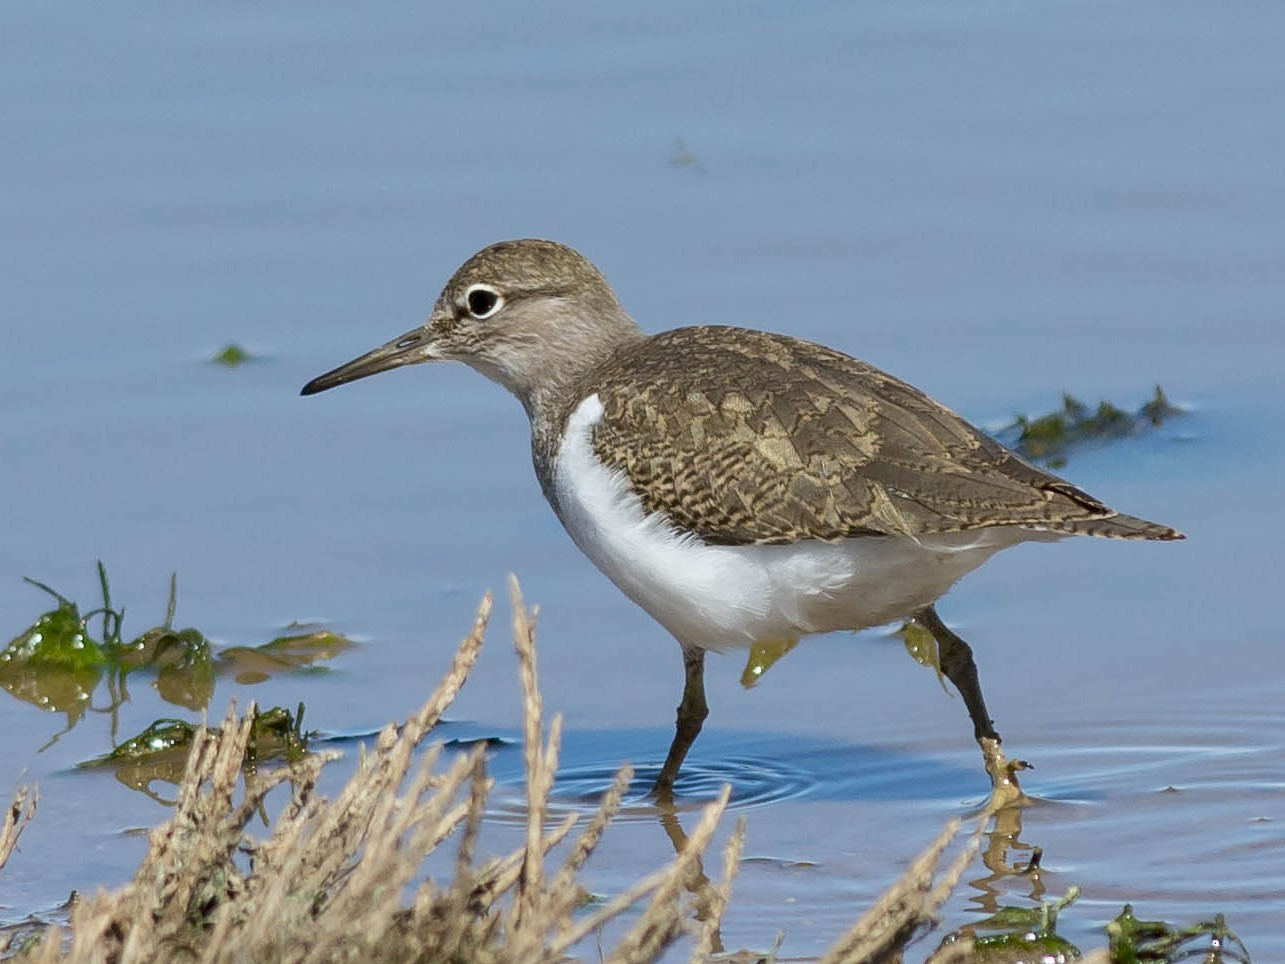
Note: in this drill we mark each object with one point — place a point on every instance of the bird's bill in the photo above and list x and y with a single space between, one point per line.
410 349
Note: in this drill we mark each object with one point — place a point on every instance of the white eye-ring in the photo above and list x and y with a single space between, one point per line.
482 301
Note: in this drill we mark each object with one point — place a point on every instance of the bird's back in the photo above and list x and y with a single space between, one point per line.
750 438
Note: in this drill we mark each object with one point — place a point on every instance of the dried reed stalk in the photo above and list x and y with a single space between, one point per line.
21 809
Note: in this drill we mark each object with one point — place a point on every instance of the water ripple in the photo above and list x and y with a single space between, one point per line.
761 769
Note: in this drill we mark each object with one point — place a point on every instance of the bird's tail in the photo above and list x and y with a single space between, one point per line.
1121 526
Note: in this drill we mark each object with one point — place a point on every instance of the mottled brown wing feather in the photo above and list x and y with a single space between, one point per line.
745 437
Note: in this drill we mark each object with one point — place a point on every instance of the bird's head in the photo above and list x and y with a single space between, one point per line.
528 314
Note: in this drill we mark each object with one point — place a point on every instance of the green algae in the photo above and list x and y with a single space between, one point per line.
231 355
301 649
54 663
159 753
1051 438
1024 935
66 656
1134 941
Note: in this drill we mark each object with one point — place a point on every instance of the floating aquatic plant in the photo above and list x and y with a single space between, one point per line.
1050 438
59 662
231 355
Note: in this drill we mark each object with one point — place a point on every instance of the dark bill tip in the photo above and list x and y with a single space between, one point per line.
409 349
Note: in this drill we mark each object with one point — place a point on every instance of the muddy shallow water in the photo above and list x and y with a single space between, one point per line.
996 204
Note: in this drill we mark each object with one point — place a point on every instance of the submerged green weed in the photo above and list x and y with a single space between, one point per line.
1136 941
1050 438
61 660
1016 935
160 752
231 355
54 663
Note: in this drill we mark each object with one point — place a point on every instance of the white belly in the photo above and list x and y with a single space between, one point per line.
718 597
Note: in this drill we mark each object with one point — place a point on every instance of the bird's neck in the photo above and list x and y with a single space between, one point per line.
570 352
570 377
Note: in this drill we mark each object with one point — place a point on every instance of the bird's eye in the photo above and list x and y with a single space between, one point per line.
482 301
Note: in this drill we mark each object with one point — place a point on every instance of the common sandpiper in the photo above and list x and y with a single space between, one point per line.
744 488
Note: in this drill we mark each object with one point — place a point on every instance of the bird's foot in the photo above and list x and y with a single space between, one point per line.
1005 788
661 794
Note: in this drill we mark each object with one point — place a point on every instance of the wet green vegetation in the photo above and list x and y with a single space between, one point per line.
73 663
1051 438
1024 935
160 752
1018 935
231 355
1136 941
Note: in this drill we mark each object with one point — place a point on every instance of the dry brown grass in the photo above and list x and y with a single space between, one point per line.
21 809
343 879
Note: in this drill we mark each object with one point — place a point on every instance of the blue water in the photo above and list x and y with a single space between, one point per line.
995 201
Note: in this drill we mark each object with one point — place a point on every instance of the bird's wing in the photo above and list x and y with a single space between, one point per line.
745 437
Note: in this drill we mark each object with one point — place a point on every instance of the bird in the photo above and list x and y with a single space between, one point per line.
742 487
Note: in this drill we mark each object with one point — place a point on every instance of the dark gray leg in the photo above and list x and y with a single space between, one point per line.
691 714
955 657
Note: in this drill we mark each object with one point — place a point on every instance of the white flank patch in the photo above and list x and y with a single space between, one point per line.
718 597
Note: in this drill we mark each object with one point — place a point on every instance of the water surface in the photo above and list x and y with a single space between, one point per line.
995 202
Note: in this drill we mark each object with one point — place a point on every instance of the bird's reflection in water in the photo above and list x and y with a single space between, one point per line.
1007 857
697 883
996 836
